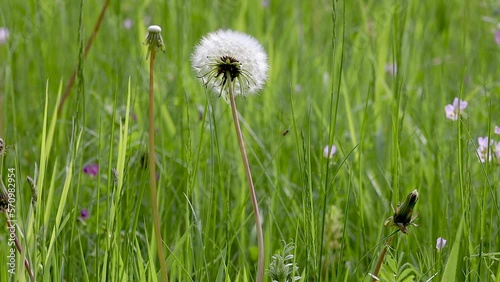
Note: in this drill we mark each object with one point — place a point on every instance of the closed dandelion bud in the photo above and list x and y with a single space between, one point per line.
403 216
404 211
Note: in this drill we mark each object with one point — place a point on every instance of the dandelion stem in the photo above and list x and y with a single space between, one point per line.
152 169
260 237
382 256
20 250
71 81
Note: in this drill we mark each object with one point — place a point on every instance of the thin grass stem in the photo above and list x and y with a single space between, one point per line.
72 79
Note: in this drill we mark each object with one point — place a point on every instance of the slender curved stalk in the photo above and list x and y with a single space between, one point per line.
260 237
381 258
152 169
71 81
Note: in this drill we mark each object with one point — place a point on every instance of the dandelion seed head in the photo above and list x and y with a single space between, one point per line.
154 40
154 28
227 56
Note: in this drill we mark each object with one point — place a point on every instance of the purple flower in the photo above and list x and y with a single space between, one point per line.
483 142
497 37
483 149
455 109
84 214
91 169
440 243
497 150
4 35
497 129
329 152
127 23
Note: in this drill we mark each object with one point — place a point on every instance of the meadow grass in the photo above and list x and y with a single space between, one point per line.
331 82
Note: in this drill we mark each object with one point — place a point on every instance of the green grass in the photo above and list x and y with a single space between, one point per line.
327 85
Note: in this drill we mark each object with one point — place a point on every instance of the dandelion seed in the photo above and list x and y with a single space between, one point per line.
329 152
227 56
454 110
4 35
91 169
440 243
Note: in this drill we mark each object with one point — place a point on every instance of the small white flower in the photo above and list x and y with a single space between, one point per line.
497 150
497 129
4 35
454 110
440 243
391 69
484 149
484 142
227 56
329 152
